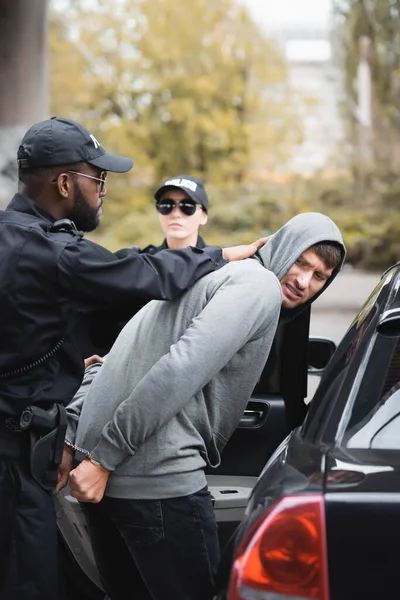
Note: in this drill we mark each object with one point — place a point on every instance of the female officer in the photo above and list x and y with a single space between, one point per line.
182 204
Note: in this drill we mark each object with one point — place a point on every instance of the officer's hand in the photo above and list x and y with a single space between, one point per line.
93 359
88 482
244 251
65 468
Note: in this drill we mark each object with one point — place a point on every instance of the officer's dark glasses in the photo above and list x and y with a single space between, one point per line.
102 179
167 205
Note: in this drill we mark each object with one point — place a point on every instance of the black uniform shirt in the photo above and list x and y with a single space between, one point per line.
52 281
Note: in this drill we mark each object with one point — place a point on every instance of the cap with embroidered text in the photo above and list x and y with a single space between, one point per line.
59 141
192 186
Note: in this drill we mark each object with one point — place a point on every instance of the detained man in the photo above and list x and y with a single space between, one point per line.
167 399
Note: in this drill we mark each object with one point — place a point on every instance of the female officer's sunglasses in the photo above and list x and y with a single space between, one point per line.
167 205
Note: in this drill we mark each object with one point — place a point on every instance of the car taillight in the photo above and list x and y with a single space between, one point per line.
286 555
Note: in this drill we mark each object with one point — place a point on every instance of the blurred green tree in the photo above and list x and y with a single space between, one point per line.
196 87
182 87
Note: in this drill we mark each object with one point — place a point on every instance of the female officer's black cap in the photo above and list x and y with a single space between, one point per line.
192 186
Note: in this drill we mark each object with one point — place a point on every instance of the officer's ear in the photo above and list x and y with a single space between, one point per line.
64 185
204 217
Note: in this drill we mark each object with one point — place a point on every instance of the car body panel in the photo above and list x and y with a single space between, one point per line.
362 501
360 485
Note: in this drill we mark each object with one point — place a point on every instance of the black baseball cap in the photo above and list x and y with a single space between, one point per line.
64 142
192 186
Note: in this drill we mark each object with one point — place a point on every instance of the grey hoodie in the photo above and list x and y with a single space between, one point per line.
175 384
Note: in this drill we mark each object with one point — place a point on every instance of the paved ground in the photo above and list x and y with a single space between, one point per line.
333 313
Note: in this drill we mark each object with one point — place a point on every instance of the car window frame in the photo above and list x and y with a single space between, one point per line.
382 351
323 424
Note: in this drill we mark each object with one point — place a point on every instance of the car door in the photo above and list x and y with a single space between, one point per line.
276 406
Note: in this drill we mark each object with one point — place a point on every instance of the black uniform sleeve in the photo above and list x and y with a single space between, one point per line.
98 278
123 252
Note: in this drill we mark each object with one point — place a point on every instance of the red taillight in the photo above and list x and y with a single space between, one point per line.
285 555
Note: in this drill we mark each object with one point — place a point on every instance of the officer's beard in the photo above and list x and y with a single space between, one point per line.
82 214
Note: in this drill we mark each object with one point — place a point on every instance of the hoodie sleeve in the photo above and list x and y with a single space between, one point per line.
74 408
237 313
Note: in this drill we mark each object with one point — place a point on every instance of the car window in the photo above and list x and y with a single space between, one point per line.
319 422
324 398
375 418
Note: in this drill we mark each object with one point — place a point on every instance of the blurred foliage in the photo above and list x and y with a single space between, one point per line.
182 87
240 213
379 21
195 87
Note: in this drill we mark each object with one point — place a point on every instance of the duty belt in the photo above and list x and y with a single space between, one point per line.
14 434
39 435
16 424
14 442
10 424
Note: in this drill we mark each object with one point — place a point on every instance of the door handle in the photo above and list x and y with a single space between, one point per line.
251 418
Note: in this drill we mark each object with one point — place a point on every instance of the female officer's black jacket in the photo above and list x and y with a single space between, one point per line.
52 280
164 246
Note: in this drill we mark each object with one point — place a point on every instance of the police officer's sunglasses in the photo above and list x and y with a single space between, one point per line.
102 179
167 205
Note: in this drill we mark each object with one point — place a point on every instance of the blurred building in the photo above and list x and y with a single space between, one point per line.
316 79
23 81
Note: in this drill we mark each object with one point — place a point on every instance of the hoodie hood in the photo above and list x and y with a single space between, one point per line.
290 241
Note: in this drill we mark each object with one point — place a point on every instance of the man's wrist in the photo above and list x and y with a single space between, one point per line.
69 447
86 454
94 461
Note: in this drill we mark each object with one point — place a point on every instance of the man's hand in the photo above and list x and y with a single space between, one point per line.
244 251
65 468
88 482
93 359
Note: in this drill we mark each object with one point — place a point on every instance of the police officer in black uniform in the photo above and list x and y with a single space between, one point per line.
182 205
52 280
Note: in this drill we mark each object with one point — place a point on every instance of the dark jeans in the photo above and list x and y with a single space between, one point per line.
155 549
28 535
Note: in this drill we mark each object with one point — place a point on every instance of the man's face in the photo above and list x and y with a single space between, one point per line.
88 199
304 279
